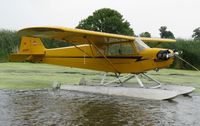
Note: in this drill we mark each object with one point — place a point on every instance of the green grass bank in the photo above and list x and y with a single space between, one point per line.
38 76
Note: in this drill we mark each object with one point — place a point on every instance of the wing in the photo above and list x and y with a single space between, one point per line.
73 35
157 40
78 36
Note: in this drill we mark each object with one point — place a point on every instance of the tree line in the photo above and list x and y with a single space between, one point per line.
111 21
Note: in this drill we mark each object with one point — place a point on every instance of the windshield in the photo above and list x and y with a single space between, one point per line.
140 45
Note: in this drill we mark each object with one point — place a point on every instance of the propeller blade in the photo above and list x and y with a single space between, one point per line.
186 62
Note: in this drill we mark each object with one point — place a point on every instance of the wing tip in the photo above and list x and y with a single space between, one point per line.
164 40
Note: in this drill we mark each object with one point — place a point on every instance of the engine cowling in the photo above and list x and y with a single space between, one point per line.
163 55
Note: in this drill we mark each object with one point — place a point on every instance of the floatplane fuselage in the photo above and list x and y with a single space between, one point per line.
117 58
102 52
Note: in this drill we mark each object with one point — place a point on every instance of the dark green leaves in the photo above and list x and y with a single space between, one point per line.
145 34
106 20
196 34
165 34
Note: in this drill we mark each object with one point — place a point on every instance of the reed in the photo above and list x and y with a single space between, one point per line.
9 42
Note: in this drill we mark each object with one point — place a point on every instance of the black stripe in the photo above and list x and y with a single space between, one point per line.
111 57
138 58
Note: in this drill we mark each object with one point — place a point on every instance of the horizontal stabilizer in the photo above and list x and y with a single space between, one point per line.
26 57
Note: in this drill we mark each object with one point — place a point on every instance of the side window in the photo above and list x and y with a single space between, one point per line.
119 49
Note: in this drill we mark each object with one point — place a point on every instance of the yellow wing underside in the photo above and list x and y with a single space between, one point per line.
79 36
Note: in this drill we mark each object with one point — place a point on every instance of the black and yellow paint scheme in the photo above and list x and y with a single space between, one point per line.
93 50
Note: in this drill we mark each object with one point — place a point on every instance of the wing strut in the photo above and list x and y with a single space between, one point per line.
107 60
81 50
91 49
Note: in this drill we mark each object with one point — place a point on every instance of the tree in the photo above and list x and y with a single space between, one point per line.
165 34
145 34
196 34
106 20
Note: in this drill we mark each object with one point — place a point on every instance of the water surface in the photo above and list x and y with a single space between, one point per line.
58 108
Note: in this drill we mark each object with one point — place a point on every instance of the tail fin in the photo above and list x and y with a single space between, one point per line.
31 46
31 49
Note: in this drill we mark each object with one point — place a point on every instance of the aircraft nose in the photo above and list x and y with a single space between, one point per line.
163 55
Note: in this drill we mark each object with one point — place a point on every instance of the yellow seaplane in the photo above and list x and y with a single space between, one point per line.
102 52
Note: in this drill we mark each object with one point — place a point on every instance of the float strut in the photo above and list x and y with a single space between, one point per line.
159 84
139 81
103 79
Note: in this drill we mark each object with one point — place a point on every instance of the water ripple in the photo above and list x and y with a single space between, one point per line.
58 108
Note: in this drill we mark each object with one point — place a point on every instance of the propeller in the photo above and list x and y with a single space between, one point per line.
177 56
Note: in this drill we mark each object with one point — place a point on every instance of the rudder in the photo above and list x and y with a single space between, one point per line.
31 50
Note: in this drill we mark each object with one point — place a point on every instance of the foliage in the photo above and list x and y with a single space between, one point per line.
196 34
165 34
145 34
9 42
106 20
50 43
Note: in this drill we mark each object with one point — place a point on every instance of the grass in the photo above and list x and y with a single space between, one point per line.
32 75
37 76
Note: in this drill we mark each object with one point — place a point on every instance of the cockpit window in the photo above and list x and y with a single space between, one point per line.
120 49
140 45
